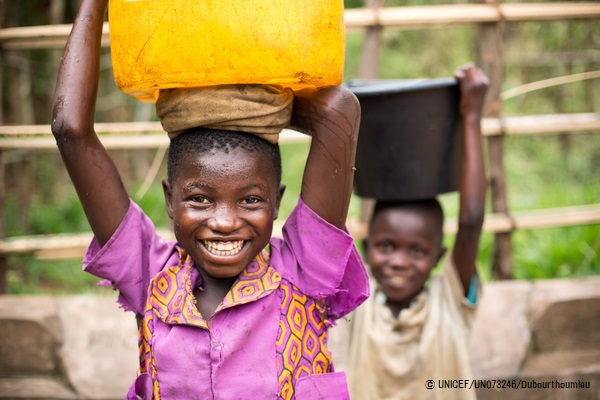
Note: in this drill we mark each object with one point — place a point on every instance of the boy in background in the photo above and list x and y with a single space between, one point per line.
413 330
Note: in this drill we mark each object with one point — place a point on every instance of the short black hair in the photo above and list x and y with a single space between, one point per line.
202 140
428 206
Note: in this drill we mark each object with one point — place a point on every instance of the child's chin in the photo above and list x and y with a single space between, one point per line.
396 295
225 273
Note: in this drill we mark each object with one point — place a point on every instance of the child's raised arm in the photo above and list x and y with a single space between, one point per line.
473 87
94 175
332 116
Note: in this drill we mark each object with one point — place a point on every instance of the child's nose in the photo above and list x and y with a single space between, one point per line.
223 220
400 259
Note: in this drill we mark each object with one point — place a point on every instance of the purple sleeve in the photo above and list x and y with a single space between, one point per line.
132 256
323 261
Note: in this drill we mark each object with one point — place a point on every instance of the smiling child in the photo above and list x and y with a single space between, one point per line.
415 329
226 311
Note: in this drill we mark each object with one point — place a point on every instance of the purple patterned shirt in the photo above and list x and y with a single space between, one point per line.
268 337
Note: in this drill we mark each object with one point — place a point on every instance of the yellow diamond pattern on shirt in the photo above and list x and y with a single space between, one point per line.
301 344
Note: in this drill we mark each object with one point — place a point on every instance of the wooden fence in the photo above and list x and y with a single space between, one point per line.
489 18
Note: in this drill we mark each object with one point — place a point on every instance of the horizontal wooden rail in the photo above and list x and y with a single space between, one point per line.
65 246
538 219
114 136
145 135
526 220
40 37
58 246
413 17
542 124
421 17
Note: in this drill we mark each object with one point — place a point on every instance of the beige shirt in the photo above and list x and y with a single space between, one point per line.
393 358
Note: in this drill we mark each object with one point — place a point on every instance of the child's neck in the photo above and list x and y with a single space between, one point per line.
211 294
397 306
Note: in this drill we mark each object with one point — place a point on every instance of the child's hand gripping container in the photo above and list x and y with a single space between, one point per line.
410 142
160 44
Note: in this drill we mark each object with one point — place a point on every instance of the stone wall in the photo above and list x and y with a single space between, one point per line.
527 333
540 333
76 347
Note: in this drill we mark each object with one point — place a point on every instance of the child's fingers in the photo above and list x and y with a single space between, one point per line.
305 93
471 77
463 69
313 93
473 87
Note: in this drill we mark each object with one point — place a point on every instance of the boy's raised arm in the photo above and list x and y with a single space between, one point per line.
332 117
473 87
94 175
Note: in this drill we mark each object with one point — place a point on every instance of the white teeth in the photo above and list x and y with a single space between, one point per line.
219 248
397 280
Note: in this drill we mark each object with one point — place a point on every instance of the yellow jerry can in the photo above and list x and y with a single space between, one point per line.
159 44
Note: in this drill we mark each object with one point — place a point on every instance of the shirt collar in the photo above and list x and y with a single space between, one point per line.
171 293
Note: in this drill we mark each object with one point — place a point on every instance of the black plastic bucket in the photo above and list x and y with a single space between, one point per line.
409 146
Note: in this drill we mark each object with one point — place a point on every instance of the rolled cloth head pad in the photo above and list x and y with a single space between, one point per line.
263 110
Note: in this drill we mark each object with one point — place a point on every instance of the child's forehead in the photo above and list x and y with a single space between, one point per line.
395 219
225 152
400 213
227 161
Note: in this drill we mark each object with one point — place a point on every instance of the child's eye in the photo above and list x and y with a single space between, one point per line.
384 247
417 252
250 200
199 199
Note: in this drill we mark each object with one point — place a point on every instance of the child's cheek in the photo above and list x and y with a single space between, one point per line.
376 258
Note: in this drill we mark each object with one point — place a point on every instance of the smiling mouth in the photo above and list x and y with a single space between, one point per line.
397 280
226 249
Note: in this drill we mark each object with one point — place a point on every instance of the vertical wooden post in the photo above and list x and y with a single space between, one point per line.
3 260
369 59
57 15
491 61
2 7
369 69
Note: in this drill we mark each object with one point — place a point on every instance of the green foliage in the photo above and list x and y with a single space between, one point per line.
28 275
402 55
153 204
542 171
574 253
546 172
66 216
354 43
293 158
353 3
537 51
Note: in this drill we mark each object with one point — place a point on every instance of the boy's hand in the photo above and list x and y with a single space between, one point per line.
473 87
319 106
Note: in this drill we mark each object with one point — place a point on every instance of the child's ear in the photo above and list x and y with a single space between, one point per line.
280 192
442 252
168 198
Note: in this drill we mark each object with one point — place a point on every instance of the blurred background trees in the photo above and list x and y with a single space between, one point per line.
542 171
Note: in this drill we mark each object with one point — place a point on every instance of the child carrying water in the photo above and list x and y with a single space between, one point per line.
415 329
226 310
